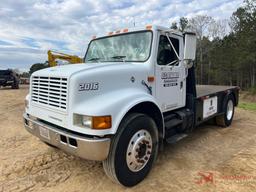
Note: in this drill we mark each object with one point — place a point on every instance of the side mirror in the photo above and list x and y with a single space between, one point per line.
189 49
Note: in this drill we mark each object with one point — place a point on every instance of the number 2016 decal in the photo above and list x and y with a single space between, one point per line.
88 86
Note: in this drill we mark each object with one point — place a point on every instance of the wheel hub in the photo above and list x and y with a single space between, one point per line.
139 150
230 109
142 150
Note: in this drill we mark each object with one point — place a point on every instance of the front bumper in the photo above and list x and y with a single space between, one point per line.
86 148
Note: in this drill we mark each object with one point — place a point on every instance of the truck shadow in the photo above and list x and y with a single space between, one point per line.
202 148
198 135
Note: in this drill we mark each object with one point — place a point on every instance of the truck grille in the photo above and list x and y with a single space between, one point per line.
50 91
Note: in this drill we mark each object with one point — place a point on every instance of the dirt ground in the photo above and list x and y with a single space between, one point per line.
210 159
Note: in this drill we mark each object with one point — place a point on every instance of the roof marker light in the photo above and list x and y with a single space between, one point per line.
149 27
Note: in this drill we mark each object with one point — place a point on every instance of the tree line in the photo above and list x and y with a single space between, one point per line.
226 49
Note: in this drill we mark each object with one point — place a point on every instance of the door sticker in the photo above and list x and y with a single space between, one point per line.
169 79
210 106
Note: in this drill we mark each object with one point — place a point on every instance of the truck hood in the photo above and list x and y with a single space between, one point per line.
89 86
68 70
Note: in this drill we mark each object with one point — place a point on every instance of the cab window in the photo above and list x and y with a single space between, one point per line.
166 54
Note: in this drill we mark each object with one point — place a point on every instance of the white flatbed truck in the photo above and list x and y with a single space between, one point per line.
135 91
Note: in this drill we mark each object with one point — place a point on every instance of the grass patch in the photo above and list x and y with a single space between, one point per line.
252 91
247 106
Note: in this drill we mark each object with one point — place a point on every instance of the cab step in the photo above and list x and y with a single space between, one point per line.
172 120
176 138
173 123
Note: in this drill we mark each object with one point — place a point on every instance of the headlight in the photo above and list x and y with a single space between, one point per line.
93 122
87 121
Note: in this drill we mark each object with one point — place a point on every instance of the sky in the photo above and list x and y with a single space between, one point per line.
28 28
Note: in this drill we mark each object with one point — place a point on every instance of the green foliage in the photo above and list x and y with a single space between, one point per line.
226 59
174 26
183 24
252 90
24 74
247 106
37 66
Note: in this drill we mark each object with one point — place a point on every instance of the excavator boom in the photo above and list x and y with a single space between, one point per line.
53 56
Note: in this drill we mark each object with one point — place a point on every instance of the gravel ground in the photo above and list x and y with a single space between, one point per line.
210 159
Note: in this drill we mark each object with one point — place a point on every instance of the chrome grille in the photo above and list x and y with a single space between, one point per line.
50 91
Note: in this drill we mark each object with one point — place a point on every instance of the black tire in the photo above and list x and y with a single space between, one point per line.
115 165
15 85
225 120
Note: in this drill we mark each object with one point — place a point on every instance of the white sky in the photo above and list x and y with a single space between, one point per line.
28 28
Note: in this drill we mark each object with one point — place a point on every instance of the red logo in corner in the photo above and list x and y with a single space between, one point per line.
204 177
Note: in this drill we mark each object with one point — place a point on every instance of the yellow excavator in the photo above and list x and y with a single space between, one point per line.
53 56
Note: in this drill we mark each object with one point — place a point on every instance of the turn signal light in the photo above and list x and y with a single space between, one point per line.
151 78
102 122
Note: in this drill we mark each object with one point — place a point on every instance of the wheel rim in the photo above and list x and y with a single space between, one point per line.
230 109
139 150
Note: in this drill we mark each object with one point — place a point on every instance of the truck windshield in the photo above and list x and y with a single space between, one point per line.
129 47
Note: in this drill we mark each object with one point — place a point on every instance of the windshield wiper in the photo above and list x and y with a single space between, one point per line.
118 57
94 59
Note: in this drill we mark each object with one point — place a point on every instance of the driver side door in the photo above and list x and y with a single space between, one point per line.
169 70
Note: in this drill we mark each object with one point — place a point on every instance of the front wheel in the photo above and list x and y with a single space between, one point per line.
133 150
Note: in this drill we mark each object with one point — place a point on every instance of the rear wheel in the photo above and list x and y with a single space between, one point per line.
226 119
133 150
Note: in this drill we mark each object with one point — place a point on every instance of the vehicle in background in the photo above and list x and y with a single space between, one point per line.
9 78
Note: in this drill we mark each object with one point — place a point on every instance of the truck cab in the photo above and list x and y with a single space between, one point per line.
135 90
9 78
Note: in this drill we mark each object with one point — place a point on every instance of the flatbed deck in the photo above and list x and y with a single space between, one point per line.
204 90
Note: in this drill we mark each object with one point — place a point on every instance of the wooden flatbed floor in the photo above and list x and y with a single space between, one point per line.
204 90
